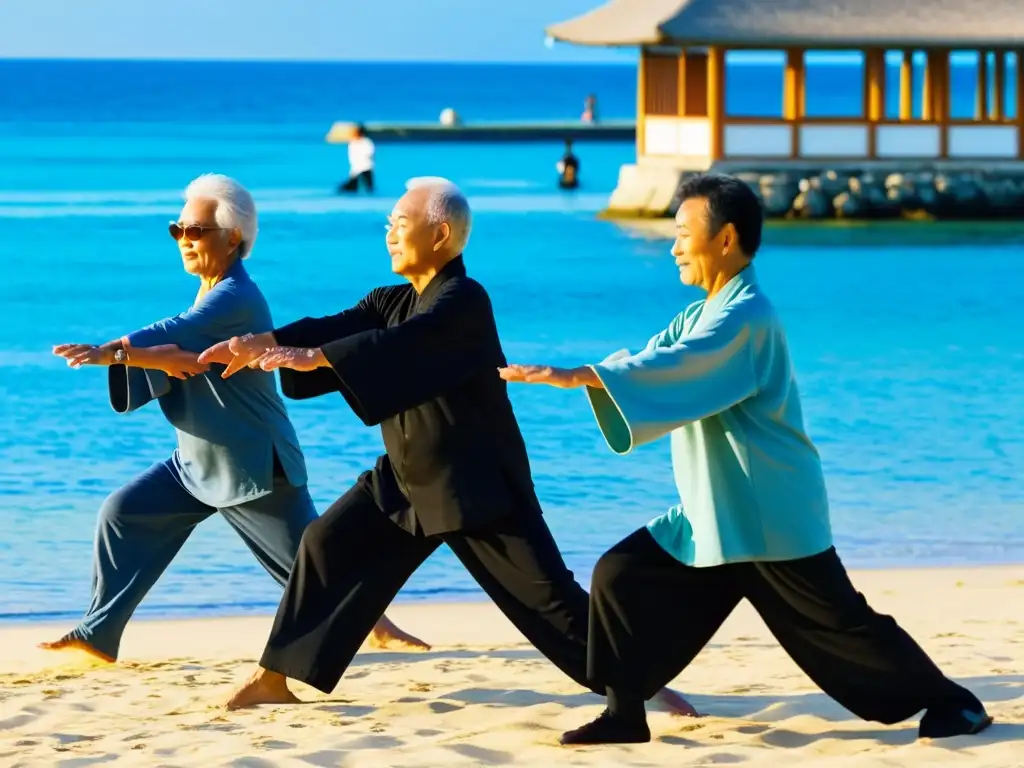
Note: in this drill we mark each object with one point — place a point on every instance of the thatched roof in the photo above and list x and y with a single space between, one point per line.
799 23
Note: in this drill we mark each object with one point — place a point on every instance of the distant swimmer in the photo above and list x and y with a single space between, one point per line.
360 162
568 168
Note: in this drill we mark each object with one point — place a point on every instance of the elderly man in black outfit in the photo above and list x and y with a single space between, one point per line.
420 360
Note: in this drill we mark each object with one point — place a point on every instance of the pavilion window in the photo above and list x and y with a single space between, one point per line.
963 77
661 84
984 85
695 83
755 84
835 84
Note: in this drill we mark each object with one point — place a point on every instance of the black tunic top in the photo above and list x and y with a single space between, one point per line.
424 367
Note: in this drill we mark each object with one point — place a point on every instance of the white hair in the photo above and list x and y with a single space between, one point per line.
235 206
446 204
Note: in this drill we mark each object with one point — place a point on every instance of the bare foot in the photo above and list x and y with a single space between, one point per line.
263 687
676 704
76 644
386 635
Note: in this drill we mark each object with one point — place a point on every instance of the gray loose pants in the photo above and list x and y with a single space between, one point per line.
142 526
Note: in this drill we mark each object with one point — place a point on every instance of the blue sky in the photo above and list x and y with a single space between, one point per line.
389 30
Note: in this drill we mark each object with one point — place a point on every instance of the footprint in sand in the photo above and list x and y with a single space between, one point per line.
30 714
752 730
67 739
441 707
349 710
692 727
272 744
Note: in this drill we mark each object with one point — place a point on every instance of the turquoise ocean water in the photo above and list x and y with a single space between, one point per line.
910 356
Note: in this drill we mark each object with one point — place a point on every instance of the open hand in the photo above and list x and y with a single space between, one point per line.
78 355
238 352
295 358
565 378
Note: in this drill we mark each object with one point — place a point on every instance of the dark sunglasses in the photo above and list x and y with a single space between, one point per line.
192 231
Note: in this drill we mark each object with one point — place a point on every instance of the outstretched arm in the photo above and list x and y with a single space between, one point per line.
384 371
308 333
167 358
639 398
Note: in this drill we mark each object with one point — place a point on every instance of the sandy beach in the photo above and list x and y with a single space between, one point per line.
483 696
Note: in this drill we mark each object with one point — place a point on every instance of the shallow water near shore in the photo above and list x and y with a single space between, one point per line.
909 350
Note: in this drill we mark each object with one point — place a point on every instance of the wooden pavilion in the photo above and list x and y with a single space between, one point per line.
682 120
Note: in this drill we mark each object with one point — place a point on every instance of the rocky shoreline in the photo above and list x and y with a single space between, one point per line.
824 194
919 194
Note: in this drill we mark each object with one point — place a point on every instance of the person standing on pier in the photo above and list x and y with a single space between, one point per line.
361 152
589 109
754 518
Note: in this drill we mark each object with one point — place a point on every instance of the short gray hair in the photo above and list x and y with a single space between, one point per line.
235 206
446 204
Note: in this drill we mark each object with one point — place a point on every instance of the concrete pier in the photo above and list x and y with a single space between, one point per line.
604 131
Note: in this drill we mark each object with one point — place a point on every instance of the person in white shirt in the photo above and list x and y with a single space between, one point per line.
360 162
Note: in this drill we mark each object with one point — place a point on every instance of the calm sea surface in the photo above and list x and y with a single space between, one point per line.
910 357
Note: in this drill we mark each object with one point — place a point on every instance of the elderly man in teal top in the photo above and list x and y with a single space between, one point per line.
754 519
237 450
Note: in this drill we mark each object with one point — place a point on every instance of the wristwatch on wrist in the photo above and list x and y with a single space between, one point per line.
120 357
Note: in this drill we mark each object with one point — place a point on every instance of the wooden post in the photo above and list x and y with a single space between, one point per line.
681 85
1020 103
792 96
874 95
997 109
942 100
928 88
791 84
981 97
716 101
907 86
641 104
875 89
801 90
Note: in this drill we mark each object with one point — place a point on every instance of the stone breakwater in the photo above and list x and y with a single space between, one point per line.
823 194
919 194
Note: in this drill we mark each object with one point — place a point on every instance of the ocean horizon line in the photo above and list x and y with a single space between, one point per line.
766 57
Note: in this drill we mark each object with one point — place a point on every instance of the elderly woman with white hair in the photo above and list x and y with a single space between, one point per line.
237 451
